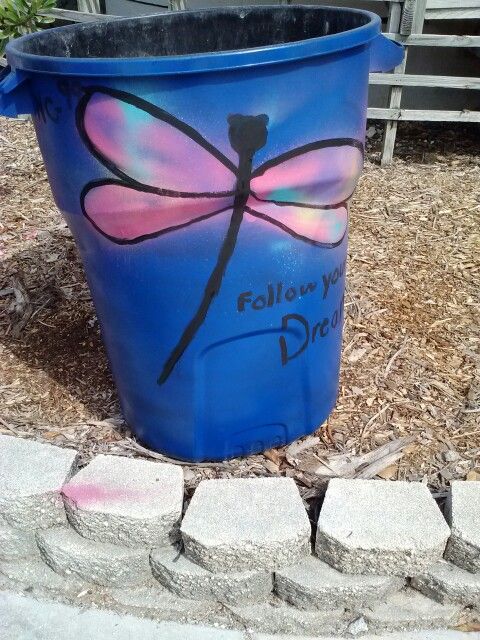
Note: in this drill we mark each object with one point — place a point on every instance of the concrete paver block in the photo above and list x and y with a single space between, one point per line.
377 527
246 523
313 584
406 610
31 477
156 598
189 580
445 582
463 514
267 618
150 597
126 501
15 543
157 602
35 573
101 563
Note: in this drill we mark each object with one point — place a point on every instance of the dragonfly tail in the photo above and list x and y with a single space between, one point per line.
211 290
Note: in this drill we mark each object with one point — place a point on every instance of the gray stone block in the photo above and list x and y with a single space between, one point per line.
246 523
377 527
269 618
126 501
101 563
189 580
313 584
15 543
463 514
446 582
407 610
157 599
34 574
159 603
31 477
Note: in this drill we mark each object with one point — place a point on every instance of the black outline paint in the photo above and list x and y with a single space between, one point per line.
212 288
242 192
306 148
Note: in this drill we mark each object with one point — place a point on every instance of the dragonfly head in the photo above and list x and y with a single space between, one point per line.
247 134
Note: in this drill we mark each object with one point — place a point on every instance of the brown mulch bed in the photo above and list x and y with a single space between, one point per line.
411 345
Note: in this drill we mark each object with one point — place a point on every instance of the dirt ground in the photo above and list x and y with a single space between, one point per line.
411 362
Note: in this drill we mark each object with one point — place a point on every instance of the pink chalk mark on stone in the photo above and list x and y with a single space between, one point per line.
89 493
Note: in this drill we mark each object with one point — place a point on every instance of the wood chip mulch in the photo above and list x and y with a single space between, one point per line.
409 403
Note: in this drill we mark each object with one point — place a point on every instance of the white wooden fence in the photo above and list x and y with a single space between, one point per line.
405 25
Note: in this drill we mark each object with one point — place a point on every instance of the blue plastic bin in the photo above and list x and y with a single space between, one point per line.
203 161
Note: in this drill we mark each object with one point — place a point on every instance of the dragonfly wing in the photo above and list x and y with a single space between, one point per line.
304 191
143 144
125 214
321 227
320 173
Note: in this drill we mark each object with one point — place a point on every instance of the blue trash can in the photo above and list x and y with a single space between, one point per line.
203 161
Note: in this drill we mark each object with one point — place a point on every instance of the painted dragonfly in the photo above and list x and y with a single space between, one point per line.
168 176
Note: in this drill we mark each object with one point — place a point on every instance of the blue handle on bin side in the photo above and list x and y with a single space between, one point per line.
15 97
385 54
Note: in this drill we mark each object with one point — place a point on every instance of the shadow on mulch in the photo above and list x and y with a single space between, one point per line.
49 321
425 142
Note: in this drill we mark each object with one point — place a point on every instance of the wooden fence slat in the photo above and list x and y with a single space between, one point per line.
418 16
395 93
434 40
411 21
452 4
405 27
452 14
89 6
433 115
76 16
411 80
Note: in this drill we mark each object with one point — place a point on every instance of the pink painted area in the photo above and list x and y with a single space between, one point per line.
150 150
102 116
93 493
319 225
123 213
322 176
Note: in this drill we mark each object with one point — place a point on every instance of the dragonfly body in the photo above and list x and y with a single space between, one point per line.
247 135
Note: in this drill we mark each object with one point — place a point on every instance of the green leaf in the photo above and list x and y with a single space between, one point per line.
23 16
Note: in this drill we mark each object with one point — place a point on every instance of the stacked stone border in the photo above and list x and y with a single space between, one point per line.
114 535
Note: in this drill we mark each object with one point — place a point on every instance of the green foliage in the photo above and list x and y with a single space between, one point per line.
18 17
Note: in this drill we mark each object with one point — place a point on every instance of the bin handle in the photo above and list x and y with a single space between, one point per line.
385 54
15 98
